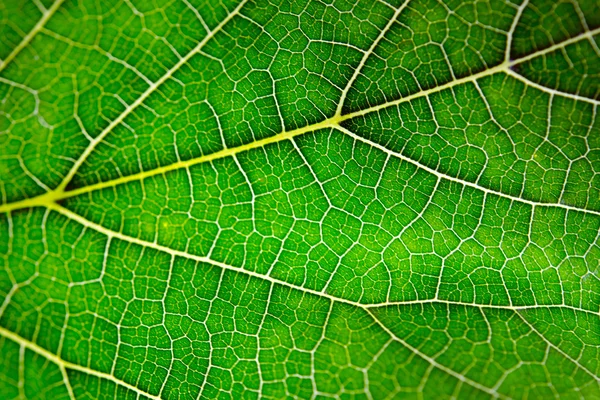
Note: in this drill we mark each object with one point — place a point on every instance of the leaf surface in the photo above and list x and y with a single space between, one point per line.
345 199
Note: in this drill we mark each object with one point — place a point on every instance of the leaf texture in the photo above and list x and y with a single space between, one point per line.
310 199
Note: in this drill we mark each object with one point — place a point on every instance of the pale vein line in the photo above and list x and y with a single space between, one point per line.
227 152
144 96
555 347
504 67
52 196
433 362
118 235
367 55
335 121
67 382
589 35
144 243
40 24
21 383
509 36
549 90
460 181
423 93
69 365
223 266
480 306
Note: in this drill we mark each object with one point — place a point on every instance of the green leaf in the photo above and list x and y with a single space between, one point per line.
306 199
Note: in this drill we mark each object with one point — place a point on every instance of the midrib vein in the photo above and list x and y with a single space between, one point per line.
50 198
69 365
60 193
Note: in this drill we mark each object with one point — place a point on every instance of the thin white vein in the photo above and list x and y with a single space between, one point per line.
56 195
589 35
504 67
40 24
366 56
67 382
111 234
21 383
36 98
549 90
32 176
512 30
436 364
312 173
210 366
40 6
69 365
258 350
197 14
118 235
480 306
423 93
8 297
145 95
98 49
461 181
555 347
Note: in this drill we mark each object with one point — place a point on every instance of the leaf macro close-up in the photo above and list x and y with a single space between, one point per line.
313 199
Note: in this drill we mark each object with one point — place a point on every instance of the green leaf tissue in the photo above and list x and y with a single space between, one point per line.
312 199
